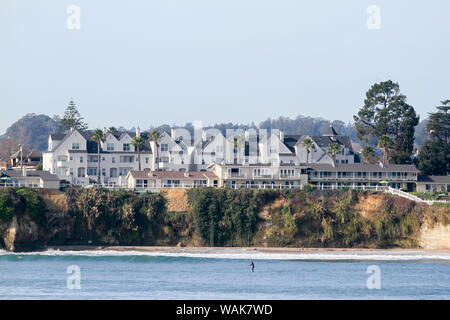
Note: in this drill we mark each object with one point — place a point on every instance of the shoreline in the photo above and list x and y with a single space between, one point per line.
206 250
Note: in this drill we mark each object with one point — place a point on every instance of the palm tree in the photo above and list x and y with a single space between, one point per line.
138 143
385 142
308 144
333 149
100 137
112 130
155 137
368 154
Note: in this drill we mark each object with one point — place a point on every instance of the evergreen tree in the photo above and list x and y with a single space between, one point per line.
385 112
368 154
434 156
72 119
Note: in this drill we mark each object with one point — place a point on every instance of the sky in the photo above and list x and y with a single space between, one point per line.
148 62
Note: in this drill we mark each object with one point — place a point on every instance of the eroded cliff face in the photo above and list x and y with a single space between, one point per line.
436 237
22 233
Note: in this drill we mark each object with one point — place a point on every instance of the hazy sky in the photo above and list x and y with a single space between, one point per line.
148 62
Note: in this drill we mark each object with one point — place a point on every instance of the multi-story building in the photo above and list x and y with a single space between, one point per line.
74 157
241 159
362 176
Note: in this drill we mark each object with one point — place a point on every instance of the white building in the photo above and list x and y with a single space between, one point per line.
73 156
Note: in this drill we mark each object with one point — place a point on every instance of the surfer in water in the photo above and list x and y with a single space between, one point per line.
253 266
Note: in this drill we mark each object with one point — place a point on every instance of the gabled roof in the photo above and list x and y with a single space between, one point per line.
290 140
331 131
91 145
57 136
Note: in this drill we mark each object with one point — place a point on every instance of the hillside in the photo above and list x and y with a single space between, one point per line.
32 130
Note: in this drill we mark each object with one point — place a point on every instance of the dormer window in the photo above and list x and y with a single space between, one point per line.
126 147
164 147
110 146
75 146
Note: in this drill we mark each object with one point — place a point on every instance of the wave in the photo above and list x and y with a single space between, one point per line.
242 254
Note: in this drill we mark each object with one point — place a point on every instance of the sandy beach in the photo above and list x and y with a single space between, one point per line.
175 249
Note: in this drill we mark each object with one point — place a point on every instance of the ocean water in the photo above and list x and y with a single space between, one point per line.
218 274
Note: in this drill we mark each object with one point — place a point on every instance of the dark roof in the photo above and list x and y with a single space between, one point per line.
35 154
290 141
331 131
363 167
57 136
325 141
92 144
434 179
44 175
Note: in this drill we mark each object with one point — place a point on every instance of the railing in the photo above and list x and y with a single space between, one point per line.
413 197
393 179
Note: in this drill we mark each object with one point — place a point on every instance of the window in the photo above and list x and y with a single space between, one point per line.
81 159
75 146
113 172
62 158
113 159
164 159
123 171
104 172
110 146
71 171
126 159
92 171
71 158
164 147
126 147
146 160
93 159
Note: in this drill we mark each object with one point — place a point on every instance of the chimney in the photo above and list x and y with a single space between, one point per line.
282 135
138 132
172 133
204 135
381 164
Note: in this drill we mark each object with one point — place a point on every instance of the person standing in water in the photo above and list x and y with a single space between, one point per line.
253 266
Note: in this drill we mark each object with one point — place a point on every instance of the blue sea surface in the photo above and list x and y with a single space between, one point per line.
219 275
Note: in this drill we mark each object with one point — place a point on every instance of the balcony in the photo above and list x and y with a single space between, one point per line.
234 175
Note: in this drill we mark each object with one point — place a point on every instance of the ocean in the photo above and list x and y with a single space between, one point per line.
225 274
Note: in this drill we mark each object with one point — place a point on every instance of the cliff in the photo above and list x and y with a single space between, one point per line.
31 220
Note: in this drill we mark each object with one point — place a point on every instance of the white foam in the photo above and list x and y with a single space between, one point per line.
252 254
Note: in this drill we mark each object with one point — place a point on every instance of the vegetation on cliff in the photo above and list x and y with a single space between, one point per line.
116 217
219 217
19 202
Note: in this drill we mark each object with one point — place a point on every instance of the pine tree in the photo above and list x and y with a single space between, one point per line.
72 119
434 156
385 112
